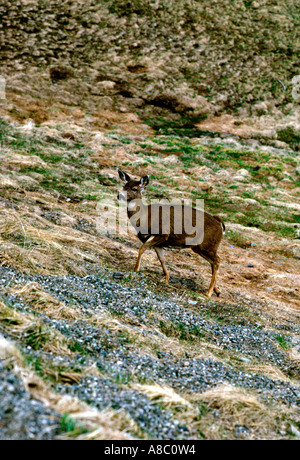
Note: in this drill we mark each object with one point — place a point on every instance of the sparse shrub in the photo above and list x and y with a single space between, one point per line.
291 136
238 239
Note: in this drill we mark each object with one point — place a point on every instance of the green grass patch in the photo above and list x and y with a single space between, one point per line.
282 342
71 427
51 150
238 239
181 331
291 136
184 127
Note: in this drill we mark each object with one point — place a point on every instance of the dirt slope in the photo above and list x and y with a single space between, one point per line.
88 349
183 57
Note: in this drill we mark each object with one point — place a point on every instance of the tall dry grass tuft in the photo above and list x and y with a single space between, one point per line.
166 396
234 408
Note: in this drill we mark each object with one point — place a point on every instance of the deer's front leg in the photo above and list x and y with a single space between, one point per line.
152 241
138 262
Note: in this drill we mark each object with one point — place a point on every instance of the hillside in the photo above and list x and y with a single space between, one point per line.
196 59
88 348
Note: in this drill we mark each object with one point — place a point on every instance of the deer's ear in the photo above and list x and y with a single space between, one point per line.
144 181
123 176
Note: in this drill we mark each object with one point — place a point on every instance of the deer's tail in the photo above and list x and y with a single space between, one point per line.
221 222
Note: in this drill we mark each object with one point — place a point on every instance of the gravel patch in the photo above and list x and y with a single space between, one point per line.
21 417
122 362
93 295
102 393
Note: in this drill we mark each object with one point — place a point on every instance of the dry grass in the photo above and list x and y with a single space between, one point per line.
32 331
224 412
164 395
16 160
26 245
183 410
98 425
227 408
115 424
150 339
147 339
228 397
42 301
267 370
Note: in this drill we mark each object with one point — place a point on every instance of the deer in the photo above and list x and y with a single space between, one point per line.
171 225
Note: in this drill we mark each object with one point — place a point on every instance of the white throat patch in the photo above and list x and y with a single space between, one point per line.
131 206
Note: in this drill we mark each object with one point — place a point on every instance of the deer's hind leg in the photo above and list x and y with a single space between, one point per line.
214 261
160 255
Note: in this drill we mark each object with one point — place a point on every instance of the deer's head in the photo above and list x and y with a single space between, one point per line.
132 189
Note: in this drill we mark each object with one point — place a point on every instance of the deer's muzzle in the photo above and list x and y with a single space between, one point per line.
121 196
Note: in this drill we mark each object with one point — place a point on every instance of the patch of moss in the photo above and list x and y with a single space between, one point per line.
184 127
291 136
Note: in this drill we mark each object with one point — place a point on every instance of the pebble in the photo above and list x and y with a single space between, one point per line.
118 275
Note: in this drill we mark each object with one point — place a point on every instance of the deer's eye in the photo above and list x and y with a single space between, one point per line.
134 189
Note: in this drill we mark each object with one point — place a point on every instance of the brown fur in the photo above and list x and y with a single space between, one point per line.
206 238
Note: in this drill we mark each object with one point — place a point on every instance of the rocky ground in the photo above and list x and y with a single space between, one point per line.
89 349
129 352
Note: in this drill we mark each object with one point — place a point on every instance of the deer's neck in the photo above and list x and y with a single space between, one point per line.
137 213
136 207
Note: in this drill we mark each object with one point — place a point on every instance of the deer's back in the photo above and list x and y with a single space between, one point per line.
186 226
